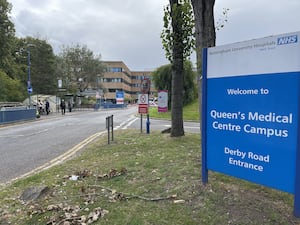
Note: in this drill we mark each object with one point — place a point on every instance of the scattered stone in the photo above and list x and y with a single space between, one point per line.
34 193
179 201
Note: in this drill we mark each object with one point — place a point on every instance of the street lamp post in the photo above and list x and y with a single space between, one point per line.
29 87
80 80
98 94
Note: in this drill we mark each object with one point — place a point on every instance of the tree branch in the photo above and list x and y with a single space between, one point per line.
128 196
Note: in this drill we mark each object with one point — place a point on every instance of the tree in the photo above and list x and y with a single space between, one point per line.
79 68
205 36
177 41
186 19
162 78
42 64
7 33
19 67
12 90
177 71
43 67
189 86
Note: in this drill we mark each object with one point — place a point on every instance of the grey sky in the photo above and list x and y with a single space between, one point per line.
129 30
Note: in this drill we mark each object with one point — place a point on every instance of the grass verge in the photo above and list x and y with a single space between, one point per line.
190 112
142 179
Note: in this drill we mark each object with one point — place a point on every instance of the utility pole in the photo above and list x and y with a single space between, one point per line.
29 87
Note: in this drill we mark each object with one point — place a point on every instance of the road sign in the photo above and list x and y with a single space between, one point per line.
120 97
162 101
59 83
251 107
143 99
143 108
29 89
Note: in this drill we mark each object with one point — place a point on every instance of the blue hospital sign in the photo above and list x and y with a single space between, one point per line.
251 110
119 97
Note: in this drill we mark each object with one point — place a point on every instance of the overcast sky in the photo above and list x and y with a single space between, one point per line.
129 30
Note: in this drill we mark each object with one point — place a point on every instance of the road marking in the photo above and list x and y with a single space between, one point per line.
24 135
12 136
60 158
73 151
187 127
129 123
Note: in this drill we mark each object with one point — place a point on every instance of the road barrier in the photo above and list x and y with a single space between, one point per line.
16 114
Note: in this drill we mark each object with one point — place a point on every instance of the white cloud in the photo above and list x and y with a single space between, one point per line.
129 30
250 19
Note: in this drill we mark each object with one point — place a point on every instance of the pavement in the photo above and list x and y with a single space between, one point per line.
43 117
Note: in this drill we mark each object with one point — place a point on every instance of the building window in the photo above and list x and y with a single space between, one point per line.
112 90
112 80
116 80
114 69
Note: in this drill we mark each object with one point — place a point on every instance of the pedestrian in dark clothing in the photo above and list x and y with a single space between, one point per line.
70 106
47 107
63 107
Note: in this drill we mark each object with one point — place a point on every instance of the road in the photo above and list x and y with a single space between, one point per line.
35 145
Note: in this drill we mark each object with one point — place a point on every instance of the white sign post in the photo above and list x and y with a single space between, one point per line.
162 101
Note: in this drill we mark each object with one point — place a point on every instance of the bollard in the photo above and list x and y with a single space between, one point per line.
148 124
141 123
110 126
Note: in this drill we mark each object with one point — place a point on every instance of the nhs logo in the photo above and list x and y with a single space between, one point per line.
287 40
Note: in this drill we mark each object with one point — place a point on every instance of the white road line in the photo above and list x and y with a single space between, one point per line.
62 157
73 150
23 135
129 123
125 124
191 127
12 136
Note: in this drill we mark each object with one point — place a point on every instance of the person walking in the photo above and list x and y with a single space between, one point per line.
63 107
70 106
47 105
40 107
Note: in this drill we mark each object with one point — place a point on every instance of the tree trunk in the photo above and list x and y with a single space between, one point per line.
205 37
177 73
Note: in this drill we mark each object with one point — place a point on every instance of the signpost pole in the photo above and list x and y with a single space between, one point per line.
297 189
297 178
148 124
148 118
108 128
29 88
145 89
112 127
141 123
204 109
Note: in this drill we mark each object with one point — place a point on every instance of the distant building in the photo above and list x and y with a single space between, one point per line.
118 77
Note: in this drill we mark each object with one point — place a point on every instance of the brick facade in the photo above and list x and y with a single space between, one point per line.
118 76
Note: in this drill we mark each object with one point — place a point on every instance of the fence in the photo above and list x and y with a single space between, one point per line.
16 114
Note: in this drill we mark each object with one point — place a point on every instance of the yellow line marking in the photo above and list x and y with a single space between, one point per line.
60 158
